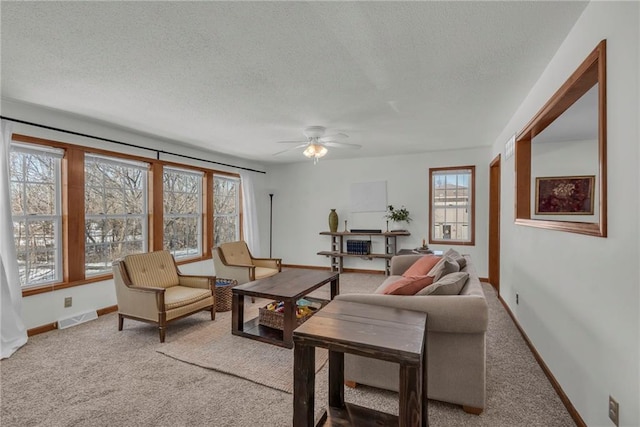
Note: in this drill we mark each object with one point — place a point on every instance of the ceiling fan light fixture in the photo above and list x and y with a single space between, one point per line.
315 151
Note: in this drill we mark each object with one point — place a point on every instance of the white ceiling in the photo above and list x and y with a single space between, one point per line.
235 77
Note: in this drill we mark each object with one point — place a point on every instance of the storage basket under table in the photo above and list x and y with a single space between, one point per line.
275 320
224 295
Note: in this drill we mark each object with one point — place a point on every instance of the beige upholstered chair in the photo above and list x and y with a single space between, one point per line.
234 261
150 288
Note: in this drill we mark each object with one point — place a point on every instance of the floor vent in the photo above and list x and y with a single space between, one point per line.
77 319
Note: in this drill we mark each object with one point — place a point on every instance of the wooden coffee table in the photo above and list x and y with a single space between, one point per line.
288 286
379 332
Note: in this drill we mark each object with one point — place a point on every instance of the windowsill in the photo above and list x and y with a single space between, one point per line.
36 290
451 242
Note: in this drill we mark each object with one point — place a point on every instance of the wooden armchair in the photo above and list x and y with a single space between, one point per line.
150 288
234 261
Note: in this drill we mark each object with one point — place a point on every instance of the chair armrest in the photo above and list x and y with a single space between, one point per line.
268 263
202 282
140 301
446 313
241 265
242 274
145 302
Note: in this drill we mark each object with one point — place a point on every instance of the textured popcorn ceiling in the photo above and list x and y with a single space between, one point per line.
235 77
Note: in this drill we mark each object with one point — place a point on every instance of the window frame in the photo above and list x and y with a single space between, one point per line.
72 249
55 217
143 216
198 215
434 172
238 205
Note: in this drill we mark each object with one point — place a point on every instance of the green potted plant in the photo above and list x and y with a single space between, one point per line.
398 216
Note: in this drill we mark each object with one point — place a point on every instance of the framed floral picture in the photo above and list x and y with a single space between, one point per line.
565 195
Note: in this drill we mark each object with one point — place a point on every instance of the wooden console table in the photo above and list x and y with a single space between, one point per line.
337 248
380 332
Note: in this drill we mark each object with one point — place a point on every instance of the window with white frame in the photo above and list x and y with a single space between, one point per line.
35 208
115 211
452 205
182 212
226 209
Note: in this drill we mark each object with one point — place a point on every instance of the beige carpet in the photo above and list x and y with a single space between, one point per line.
94 375
212 346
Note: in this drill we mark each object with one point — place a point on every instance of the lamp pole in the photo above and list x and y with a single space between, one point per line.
270 222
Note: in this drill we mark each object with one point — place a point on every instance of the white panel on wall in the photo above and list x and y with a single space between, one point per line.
369 196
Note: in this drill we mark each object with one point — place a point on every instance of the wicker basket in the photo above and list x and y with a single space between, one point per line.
224 296
275 320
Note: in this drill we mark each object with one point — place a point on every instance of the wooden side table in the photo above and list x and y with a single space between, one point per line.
366 330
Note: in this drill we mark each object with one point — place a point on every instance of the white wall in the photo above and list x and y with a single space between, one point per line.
579 295
46 308
304 194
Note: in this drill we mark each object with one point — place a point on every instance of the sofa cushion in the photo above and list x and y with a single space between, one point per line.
447 266
422 266
451 284
408 285
452 253
391 279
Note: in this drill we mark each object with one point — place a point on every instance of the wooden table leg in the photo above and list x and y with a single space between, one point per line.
289 320
336 379
237 313
423 376
410 396
304 384
335 287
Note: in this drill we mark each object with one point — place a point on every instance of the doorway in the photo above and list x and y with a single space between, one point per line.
494 223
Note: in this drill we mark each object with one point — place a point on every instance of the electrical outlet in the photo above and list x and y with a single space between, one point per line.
517 299
613 410
67 302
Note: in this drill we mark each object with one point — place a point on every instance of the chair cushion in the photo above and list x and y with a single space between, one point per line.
153 269
180 296
262 272
236 253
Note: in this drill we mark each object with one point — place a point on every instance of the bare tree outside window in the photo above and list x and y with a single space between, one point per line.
226 212
115 211
35 208
182 212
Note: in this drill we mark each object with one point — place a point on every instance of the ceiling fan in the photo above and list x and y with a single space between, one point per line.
316 144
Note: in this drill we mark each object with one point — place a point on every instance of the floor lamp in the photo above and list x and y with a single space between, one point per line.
270 222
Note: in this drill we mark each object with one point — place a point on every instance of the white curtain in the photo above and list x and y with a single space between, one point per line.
250 217
13 331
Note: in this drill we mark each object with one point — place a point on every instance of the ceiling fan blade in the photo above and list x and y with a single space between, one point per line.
291 142
290 149
341 145
333 137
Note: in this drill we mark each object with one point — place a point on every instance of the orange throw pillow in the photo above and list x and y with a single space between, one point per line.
408 285
422 266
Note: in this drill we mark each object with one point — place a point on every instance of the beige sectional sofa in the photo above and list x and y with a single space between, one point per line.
456 328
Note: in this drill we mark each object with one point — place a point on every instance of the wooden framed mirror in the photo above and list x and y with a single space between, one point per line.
561 156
